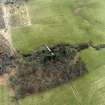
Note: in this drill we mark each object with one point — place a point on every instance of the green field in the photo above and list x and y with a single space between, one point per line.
73 21
4 96
56 21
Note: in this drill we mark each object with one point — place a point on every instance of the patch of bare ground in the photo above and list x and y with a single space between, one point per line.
77 11
19 15
3 79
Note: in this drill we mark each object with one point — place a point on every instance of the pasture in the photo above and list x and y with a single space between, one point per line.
5 96
57 21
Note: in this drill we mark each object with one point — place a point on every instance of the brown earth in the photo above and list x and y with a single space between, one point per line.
3 79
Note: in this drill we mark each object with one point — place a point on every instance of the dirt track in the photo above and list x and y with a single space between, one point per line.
6 32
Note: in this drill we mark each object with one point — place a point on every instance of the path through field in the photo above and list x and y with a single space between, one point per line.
6 32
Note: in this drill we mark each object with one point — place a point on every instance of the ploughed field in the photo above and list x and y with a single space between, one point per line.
71 21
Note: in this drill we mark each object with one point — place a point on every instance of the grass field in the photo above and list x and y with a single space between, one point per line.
4 96
59 21
71 21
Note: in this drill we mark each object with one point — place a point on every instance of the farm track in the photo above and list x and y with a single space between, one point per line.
28 16
6 32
